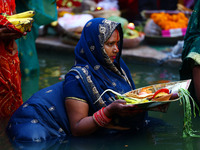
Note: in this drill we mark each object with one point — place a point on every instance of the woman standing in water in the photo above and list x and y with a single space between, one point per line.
98 67
74 107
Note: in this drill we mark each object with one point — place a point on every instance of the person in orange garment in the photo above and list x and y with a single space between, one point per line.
10 76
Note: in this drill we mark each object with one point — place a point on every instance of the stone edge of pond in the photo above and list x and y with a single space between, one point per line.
142 54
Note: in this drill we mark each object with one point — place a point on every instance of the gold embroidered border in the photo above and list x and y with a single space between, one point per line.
195 56
75 98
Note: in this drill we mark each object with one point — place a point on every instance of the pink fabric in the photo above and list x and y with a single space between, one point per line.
174 32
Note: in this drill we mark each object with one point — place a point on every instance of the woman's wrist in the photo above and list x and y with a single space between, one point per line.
101 118
108 112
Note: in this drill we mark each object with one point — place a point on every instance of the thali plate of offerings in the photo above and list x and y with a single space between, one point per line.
153 95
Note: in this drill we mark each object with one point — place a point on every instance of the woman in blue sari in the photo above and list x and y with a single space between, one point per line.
74 106
99 67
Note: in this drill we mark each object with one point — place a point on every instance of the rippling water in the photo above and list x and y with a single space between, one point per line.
164 129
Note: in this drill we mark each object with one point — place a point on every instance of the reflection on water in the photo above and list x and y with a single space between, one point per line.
144 75
53 69
164 132
159 135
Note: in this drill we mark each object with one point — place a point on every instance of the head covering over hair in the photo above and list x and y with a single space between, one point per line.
93 71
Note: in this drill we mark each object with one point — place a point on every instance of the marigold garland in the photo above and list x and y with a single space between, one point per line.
167 21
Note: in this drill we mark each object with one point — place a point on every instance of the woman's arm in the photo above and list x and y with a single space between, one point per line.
82 124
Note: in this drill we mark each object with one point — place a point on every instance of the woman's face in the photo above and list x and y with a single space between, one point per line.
111 45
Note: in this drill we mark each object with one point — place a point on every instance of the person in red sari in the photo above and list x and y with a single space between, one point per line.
10 75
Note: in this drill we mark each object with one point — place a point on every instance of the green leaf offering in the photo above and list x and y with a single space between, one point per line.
130 100
188 103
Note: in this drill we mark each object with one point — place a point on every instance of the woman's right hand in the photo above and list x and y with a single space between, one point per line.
119 107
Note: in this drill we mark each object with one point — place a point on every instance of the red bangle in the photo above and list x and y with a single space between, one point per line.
108 119
100 118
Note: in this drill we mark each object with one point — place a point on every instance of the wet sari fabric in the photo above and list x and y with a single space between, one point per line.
191 51
42 117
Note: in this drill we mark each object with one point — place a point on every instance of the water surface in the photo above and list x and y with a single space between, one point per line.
164 130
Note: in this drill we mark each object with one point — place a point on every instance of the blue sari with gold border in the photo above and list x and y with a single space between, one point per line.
43 117
93 71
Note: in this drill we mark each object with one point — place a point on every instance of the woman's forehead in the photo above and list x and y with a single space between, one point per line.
115 37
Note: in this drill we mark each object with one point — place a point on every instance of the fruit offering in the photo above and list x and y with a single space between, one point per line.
131 34
143 97
22 21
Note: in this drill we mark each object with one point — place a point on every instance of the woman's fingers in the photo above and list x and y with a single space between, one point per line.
8 34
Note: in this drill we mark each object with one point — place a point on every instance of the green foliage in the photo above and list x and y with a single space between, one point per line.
188 103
